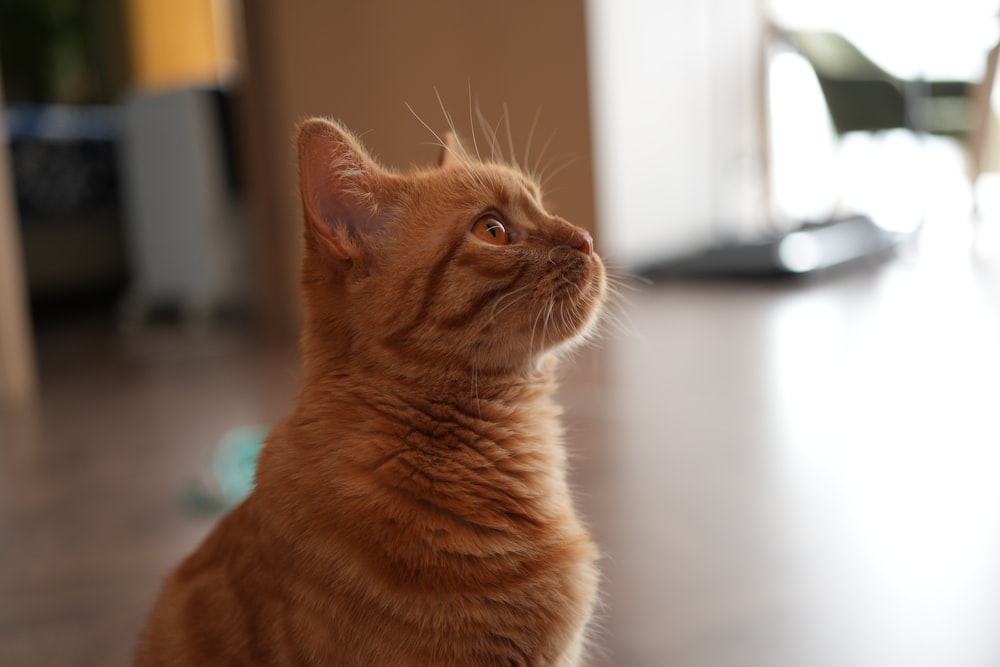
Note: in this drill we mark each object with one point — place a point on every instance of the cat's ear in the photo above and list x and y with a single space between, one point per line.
341 187
452 151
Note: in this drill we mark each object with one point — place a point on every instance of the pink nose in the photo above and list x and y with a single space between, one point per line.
584 242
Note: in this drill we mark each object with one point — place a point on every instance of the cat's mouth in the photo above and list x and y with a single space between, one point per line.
576 293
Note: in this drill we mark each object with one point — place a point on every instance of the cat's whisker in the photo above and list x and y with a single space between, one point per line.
534 329
503 310
546 175
531 135
472 125
615 317
548 320
475 386
492 319
436 144
541 155
482 179
551 191
511 296
555 321
489 131
510 137
542 341
441 142
447 116
614 314
508 300
496 141
624 279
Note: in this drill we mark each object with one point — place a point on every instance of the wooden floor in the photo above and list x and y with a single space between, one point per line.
781 474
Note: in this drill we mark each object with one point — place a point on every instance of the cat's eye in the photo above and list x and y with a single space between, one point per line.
490 229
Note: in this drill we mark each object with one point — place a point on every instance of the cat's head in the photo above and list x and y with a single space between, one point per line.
458 264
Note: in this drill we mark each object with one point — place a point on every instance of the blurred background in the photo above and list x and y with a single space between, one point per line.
787 441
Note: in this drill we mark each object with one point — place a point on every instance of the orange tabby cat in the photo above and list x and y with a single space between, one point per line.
412 511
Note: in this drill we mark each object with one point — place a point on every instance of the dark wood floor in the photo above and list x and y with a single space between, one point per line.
781 474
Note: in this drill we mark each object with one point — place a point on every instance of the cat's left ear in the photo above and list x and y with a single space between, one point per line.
452 151
342 187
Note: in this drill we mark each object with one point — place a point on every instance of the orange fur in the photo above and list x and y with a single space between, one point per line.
413 509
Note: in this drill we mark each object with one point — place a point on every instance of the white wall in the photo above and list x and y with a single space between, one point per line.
677 123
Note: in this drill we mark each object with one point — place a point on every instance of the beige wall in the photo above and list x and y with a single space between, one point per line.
361 62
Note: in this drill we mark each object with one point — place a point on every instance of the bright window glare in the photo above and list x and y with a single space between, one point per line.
802 141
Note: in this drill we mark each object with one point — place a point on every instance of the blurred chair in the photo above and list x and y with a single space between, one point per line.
861 96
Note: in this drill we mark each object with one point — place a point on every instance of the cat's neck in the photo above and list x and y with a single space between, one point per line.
333 362
464 385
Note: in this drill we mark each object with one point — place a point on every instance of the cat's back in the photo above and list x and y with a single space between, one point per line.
210 601
244 597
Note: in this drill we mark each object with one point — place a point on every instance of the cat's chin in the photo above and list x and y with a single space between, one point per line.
578 320
586 306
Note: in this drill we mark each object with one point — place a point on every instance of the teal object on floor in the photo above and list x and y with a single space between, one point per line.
234 463
230 475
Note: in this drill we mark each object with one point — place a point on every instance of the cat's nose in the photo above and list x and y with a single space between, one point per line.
584 243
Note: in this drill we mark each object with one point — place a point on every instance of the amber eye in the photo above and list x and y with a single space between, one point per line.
491 230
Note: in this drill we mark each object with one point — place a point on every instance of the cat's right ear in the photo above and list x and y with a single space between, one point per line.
341 187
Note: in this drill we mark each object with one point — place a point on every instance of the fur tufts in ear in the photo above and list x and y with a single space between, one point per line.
341 187
452 151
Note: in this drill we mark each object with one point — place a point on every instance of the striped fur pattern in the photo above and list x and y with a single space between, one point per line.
413 509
